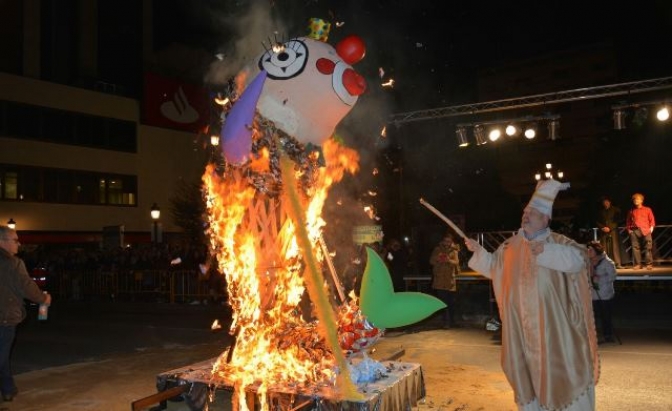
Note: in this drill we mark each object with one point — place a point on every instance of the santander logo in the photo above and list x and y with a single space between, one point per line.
178 109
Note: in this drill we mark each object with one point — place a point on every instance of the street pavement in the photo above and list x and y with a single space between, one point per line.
103 356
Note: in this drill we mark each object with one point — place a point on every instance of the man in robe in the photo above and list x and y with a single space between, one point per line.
542 287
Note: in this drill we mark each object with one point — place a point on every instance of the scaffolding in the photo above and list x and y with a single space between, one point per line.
581 94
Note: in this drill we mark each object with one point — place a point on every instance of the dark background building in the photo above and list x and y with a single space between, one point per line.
87 78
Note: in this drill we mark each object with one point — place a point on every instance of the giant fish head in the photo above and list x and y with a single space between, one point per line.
304 86
310 85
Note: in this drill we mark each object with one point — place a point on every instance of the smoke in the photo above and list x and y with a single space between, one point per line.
258 21
251 28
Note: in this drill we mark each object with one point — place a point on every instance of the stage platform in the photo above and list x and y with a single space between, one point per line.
658 273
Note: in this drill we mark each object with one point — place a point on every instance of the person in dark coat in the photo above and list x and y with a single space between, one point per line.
603 275
607 222
15 286
445 261
397 259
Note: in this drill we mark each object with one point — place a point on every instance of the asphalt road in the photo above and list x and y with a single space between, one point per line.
85 331
82 331
103 355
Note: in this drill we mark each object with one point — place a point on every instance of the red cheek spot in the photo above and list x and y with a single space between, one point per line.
325 66
353 82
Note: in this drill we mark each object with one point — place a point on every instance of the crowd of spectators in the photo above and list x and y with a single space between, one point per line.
81 272
137 257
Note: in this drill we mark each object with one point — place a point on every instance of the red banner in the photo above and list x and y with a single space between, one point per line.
169 103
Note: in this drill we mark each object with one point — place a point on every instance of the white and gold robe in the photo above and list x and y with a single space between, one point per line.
549 344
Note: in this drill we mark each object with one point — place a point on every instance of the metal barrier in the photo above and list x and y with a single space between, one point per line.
662 242
490 240
174 286
187 286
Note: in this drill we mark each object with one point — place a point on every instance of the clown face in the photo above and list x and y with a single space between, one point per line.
310 85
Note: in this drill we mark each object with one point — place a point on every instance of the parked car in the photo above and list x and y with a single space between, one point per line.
41 276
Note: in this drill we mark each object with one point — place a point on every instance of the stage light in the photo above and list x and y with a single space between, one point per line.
619 119
537 176
640 117
512 130
553 130
531 131
640 112
462 140
493 130
494 134
479 135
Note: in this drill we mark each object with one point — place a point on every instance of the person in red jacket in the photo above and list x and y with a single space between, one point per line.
640 223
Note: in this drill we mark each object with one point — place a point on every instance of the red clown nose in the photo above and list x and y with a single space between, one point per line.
351 49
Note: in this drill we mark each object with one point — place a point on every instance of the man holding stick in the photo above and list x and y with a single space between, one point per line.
541 283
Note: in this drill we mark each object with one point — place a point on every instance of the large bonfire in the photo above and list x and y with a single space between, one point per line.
264 203
257 250
293 330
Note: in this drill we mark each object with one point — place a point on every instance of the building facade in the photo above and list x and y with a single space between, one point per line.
83 151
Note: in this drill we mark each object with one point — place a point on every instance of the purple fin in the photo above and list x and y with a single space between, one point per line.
237 130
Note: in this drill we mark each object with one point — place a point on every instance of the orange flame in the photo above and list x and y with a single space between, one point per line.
240 81
261 163
257 252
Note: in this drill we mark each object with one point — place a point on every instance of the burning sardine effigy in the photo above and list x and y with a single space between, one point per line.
264 220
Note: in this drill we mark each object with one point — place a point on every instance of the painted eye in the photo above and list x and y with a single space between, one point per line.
285 61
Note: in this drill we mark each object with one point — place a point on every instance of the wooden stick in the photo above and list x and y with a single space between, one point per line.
443 217
332 269
314 280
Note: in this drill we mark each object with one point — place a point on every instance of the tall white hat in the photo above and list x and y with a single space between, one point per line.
545 194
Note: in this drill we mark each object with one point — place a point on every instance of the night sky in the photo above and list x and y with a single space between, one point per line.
433 50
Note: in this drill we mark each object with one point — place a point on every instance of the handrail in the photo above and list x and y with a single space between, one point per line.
161 285
190 286
564 96
662 242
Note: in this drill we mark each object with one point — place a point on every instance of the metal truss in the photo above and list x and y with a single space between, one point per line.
588 93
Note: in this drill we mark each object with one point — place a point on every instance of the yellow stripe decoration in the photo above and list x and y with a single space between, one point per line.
327 323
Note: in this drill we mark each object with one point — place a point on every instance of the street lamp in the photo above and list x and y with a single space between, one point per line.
155 212
11 224
548 174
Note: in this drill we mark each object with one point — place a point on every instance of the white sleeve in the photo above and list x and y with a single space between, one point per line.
481 262
561 258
